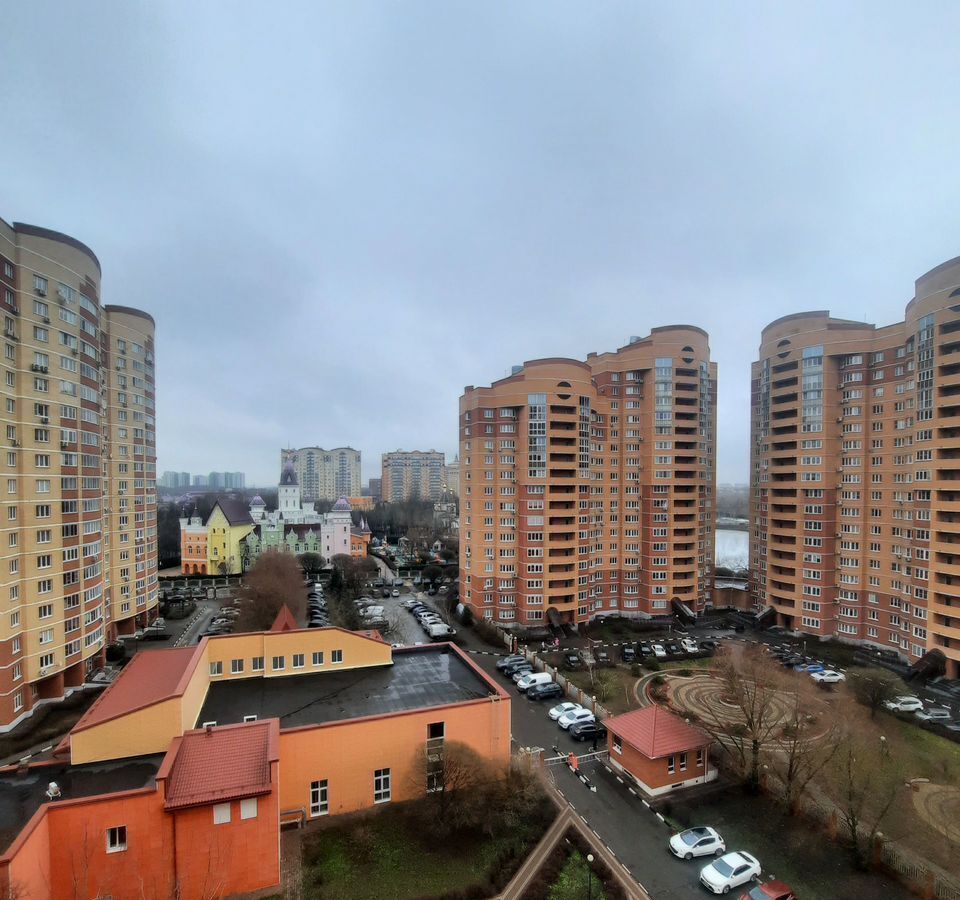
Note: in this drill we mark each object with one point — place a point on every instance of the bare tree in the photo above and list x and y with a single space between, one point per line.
867 780
275 580
806 745
753 688
873 687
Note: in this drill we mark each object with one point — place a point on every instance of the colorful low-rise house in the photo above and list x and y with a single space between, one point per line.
220 537
658 751
176 781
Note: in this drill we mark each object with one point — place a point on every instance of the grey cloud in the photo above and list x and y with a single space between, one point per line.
340 214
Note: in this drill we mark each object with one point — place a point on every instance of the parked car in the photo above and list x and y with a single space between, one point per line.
708 645
396 593
672 648
512 667
934 715
440 630
700 841
562 708
658 651
770 890
409 603
689 645
904 704
574 716
811 668
628 654
603 658
828 676
505 661
443 589
588 730
645 648
572 661
544 691
729 871
521 672
385 592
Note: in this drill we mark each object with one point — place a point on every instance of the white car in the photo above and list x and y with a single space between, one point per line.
562 708
575 715
730 871
658 651
700 841
904 704
689 645
828 676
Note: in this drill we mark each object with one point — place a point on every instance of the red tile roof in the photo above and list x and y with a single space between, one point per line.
151 676
284 620
656 731
218 764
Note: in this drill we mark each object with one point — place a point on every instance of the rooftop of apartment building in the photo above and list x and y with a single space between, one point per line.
420 677
23 791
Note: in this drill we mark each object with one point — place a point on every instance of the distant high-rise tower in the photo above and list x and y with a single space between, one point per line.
412 475
325 474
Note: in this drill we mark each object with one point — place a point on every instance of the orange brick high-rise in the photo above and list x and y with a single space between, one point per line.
855 475
587 487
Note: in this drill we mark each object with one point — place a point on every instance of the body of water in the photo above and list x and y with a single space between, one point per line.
731 548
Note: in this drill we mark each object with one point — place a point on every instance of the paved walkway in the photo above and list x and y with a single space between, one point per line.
291 864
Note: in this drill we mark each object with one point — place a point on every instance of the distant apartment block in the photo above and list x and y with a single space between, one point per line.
855 475
325 474
451 476
412 475
375 489
78 523
587 487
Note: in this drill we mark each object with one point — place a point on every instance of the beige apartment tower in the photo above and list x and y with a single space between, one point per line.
78 519
412 475
855 475
587 486
324 474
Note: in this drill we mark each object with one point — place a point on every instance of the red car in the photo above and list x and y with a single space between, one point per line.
770 890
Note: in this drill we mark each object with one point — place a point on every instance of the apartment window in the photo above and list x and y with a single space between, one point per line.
256 664
248 808
45 610
236 666
381 784
318 658
617 744
221 814
216 668
319 798
683 762
336 656
298 660
700 758
278 663
117 839
671 765
18 701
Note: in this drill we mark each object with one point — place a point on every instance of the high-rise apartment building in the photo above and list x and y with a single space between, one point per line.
855 474
412 475
78 542
451 476
325 474
587 487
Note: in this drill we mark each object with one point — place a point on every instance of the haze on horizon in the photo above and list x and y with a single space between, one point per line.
341 214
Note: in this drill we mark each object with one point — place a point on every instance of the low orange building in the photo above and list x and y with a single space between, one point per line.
658 750
182 771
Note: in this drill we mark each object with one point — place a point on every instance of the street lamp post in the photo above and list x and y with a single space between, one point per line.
589 876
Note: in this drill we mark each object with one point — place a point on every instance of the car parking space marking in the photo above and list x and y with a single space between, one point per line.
617 777
632 791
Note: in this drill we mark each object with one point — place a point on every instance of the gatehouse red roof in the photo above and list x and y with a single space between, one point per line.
656 731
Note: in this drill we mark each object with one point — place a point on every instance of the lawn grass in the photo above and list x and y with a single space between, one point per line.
389 855
621 697
704 662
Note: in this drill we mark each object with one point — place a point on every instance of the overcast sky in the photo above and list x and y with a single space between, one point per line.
341 214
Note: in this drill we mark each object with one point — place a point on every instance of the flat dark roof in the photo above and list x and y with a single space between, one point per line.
432 676
22 793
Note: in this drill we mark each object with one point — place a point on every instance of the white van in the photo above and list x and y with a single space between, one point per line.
440 630
532 679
